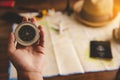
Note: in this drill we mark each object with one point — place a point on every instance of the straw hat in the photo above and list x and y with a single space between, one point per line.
95 13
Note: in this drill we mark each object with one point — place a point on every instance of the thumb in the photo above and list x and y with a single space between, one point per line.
11 44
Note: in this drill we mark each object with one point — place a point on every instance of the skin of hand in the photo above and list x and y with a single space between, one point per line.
28 60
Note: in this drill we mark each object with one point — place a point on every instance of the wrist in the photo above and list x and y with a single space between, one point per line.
30 76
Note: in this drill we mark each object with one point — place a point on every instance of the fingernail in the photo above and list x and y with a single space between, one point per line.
24 19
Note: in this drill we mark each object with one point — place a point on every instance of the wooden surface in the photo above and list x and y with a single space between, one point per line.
5 29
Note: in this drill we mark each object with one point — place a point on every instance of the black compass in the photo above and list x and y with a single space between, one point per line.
27 33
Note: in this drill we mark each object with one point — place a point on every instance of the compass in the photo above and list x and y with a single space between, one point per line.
26 33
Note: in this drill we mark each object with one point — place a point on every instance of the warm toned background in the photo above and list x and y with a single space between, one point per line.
5 29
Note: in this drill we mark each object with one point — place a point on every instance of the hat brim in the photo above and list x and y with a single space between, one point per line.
94 24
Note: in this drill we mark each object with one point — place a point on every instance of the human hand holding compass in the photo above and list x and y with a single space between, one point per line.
28 60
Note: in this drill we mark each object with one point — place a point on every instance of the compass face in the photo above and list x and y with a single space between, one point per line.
26 33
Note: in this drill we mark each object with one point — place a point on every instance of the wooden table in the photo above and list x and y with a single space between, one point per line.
5 29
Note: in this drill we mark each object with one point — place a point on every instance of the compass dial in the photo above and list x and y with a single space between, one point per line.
26 33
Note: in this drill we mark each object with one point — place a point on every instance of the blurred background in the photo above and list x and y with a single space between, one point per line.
5 29
41 4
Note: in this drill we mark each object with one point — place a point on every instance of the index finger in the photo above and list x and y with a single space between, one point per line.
41 39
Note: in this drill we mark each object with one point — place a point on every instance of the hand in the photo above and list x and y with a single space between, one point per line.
27 59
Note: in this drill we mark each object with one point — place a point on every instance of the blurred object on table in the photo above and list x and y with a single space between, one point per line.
118 75
116 34
95 13
117 4
7 3
68 9
78 6
41 14
12 17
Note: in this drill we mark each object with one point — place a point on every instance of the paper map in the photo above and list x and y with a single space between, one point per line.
68 52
